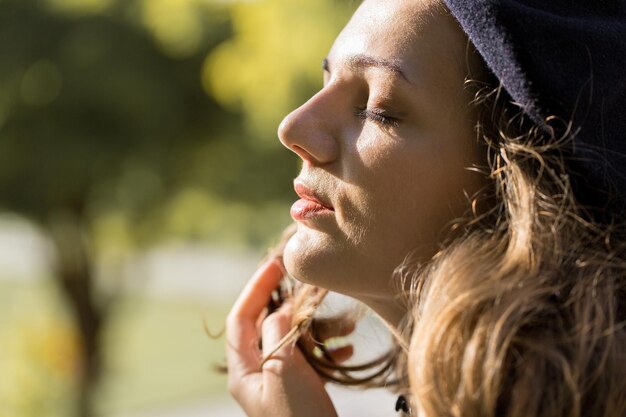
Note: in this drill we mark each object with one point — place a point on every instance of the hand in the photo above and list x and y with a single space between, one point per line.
286 385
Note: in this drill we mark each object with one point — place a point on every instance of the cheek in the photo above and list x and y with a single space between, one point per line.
396 199
399 178
414 191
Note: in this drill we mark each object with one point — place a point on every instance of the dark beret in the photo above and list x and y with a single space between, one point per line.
565 59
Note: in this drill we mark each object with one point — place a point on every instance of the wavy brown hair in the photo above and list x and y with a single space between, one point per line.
523 312
524 315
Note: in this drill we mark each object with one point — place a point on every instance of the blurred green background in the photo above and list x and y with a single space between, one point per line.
140 182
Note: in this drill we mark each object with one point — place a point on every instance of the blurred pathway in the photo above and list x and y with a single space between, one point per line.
190 272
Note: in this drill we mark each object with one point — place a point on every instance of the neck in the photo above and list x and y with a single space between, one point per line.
391 309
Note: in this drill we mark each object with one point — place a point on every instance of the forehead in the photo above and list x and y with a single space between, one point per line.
418 35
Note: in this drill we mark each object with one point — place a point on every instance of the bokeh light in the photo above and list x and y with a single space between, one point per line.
141 181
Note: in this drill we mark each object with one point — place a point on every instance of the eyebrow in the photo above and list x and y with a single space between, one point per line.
360 62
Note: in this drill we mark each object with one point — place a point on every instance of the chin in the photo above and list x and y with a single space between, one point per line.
311 258
300 258
318 259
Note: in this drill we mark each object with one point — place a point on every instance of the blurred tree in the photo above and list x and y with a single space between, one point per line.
274 60
95 119
107 139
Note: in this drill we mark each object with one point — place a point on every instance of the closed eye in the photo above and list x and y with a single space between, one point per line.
377 116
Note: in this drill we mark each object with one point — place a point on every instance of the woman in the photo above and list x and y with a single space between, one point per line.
508 241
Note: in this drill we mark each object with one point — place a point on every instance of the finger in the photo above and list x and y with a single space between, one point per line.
341 354
258 291
247 380
274 329
242 353
329 334
335 349
324 329
259 321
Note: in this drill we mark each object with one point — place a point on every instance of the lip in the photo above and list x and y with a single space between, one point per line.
310 205
306 193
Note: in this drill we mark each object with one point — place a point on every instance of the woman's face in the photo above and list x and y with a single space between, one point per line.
385 147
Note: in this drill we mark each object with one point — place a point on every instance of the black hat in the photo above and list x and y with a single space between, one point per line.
566 59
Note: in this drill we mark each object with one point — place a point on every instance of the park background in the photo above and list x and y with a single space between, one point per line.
141 181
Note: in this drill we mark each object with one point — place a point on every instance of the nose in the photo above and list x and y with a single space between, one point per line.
311 130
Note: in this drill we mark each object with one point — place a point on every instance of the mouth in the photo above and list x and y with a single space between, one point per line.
310 205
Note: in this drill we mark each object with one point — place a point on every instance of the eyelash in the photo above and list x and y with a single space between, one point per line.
377 116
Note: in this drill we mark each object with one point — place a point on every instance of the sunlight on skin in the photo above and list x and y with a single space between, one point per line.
386 145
